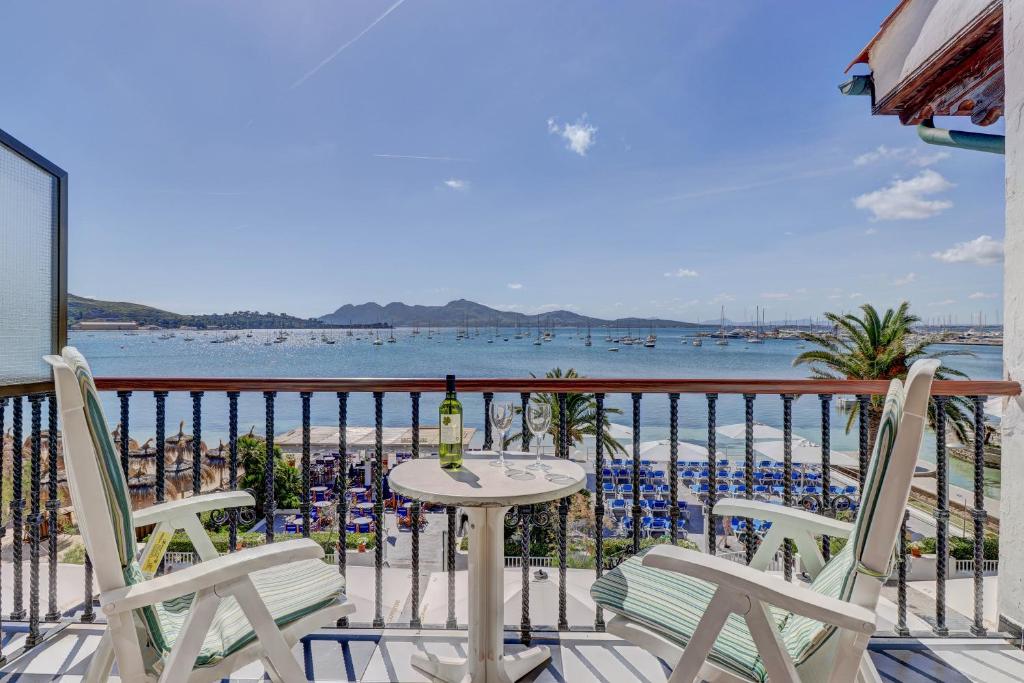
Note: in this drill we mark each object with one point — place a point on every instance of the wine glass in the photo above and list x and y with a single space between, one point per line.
538 421
501 414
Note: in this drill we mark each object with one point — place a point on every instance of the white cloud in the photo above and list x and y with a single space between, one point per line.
774 295
871 231
944 302
515 285
723 298
983 295
905 280
912 156
457 184
835 296
579 136
983 251
856 295
682 272
905 199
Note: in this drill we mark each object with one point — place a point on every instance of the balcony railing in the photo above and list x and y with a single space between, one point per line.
811 487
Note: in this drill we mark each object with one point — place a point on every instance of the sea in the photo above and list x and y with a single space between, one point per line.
484 353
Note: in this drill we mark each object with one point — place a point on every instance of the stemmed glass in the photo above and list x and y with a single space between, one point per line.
501 414
538 421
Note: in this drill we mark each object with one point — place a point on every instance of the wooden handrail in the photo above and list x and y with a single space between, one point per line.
613 385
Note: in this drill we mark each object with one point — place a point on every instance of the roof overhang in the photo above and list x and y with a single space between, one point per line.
938 58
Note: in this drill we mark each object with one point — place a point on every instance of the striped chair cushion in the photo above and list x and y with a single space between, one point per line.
672 604
291 592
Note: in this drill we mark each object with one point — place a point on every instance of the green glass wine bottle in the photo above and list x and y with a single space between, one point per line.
449 446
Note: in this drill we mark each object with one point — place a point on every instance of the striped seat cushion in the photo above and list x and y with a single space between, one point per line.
291 592
672 604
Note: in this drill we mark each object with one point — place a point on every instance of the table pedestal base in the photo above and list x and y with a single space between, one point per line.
486 662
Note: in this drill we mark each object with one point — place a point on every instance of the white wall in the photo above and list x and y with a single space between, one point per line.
1011 547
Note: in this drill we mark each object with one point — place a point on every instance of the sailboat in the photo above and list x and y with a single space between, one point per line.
722 341
587 340
756 339
651 338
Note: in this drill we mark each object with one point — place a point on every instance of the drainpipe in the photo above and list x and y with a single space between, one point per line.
960 139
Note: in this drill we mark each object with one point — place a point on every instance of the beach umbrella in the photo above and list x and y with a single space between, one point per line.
804 452
660 450
619 432
762 432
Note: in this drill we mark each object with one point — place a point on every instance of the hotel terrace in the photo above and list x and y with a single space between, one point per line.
364 581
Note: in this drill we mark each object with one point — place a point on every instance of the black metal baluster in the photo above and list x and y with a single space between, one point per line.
673 465
17 508
710 534
88 614
941 517
863 451
563 516
269 500
901 580
305 396
197 443
161 407
526 529
52 508
980 516
123 397
35 519
378 509
787 484
826 468
450 561
488 437
635 478
233 467
414 516
748 471
341 489
599 501
524 431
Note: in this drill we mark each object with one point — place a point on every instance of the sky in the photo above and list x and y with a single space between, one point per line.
617 159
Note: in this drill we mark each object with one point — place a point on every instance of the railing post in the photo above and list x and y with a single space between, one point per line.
980 516
160 397
123 397
450 562
901 585
787 472
52 508
197 443
673 465
563 516
826 468
488 437
748 470
526 529
636 472
88 615
599 500
864 445
524 430
17 508
414 516
710 530
378 509
35 519
941 517
269 501
232 467
341 489
305 397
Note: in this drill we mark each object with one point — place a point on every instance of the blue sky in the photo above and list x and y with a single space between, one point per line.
655 159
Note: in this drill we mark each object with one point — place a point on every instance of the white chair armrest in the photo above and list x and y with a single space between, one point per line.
763 587
790 518
194 505
209 573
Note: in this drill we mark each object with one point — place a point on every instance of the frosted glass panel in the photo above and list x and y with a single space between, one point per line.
28 223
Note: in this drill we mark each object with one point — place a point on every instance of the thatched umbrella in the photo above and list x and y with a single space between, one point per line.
144 457
178 464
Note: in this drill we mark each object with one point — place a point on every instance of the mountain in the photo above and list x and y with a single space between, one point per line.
81 308
464 312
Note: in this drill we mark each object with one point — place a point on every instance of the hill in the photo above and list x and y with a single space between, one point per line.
464 312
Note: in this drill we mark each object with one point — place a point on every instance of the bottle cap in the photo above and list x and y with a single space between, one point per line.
449 382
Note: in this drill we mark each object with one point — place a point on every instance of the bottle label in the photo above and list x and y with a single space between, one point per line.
451 429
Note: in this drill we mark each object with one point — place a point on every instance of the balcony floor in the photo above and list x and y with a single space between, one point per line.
371 656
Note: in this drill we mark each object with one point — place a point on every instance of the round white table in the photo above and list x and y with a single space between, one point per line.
486 492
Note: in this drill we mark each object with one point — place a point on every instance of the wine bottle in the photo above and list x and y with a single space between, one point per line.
449 446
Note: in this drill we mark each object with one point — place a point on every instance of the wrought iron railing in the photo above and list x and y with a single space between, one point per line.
752 392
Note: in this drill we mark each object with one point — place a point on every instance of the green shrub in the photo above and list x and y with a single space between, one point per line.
328 540
75 554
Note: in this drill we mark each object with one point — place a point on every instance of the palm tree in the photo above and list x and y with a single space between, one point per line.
880 347
580 411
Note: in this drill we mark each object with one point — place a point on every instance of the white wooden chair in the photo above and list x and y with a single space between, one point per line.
717 620
196 624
